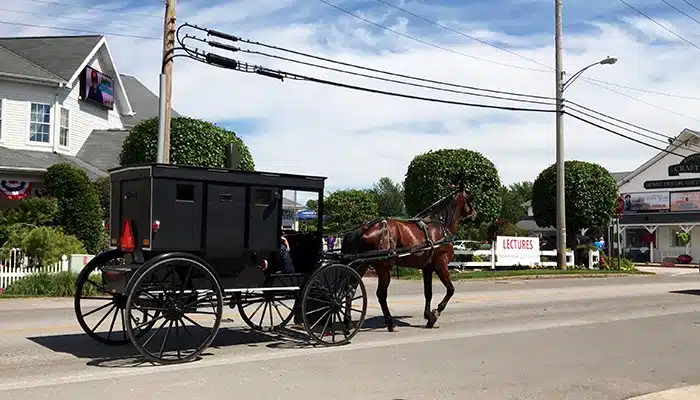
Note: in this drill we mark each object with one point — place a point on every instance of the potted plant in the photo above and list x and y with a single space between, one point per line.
683 240
684 259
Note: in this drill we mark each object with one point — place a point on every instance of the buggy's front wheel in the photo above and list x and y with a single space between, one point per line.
178 287
334 304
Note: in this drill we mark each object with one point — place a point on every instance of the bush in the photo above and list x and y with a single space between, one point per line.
611 264
502 227
79 211
102 187
43 245
61 284
348 208
192 142
32 211
429 175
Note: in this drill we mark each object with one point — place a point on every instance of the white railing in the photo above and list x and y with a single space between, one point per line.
16 266
491 259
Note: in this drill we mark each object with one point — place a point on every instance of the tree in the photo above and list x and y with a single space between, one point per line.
513 196
348 208
429 174
192 142
312 204
390 197
591 195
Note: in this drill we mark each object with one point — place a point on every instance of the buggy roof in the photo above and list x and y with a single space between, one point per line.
223 175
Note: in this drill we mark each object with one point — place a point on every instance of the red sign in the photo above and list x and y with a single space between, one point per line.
518 244
620 207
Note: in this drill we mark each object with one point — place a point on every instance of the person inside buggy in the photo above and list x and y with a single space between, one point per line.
297 253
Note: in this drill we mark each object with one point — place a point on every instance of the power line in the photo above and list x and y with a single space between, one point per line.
520 55
228 63
659 24
620 134
79 30
691 4
64 17
425 42
234 38
237 49
680 11
58 3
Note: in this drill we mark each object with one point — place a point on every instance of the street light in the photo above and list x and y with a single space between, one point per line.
561 200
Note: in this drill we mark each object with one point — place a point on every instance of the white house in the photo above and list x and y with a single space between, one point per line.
48 115
662 199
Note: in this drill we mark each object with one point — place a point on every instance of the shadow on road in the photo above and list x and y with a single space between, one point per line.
694 292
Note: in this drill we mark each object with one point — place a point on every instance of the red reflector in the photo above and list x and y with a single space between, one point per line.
107 226
127 242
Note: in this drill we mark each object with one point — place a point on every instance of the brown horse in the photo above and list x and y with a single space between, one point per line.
436 223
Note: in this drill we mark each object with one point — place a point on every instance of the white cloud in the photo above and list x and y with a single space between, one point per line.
354 138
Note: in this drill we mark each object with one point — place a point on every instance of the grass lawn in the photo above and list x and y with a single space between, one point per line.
514 273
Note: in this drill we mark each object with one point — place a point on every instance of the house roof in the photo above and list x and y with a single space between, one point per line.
43 56
41 160
143 101
102 148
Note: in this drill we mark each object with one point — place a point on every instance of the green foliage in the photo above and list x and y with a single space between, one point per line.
502 227
512 198
390 198
192 142
79 211
61 284
43 245
479 232
312 204
611 264
429 175
32 211
683 238
348 208
591 194
102 187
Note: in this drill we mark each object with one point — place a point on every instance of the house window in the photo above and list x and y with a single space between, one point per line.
675 242
40 123
63 134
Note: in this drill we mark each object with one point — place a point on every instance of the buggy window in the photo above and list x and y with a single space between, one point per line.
184 192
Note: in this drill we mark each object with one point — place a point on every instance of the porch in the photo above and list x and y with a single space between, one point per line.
659 243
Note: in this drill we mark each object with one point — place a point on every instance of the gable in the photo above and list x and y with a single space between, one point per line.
58 55
687 144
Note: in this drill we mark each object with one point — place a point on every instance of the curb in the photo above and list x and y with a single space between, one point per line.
682 393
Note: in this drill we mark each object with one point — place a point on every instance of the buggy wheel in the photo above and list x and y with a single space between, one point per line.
334 304
274 309
178 287
102 309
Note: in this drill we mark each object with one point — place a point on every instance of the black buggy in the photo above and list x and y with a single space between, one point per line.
186 241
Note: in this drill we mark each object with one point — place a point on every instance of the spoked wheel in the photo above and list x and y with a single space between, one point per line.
334 304
188 297
266 311
97 309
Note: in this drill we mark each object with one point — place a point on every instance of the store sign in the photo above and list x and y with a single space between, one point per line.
520 250
685 201
672 183
689 165
646 202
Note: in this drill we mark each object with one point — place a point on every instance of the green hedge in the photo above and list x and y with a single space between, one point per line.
61 284
79 211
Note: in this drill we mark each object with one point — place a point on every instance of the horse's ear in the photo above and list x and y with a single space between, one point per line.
451 186
462 186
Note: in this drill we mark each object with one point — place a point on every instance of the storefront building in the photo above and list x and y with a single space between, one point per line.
661 217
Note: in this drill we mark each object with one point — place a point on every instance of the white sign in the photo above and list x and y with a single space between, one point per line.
520 250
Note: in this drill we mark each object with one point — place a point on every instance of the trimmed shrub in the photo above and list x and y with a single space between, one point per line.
79 211
102 187
43 245
192 142
429 175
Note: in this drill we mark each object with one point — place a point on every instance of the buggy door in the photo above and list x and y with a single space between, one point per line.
265 219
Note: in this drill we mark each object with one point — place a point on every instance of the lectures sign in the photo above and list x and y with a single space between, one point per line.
520 250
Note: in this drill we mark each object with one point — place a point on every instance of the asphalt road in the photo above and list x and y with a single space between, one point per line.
605 338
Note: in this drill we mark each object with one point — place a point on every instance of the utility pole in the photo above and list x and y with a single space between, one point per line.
559 79
166 83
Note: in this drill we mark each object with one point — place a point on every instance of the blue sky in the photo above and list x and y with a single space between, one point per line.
279 120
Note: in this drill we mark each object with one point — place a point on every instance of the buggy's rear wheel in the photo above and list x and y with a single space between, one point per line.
178 286
266 311
94 307
334 304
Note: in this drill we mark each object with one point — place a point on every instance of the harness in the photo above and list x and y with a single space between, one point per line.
387 243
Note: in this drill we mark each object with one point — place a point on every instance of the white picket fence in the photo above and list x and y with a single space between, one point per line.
491 259
15 267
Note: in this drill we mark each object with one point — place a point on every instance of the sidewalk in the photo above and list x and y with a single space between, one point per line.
684 393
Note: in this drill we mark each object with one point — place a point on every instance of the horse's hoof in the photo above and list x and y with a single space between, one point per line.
392 328
432 318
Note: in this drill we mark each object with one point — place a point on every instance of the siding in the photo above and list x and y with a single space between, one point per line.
83 117
86 117
16 98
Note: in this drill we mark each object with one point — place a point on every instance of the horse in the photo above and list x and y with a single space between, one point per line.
439 222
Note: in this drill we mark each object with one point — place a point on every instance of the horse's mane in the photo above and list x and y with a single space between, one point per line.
442 210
